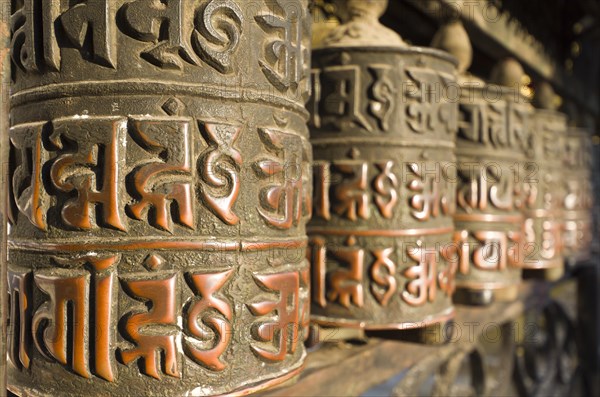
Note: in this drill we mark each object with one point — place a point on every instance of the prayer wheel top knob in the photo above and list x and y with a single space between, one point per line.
356 9
509 73
360 26
545 97
454 39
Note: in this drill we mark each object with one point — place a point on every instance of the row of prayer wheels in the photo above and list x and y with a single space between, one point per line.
184 203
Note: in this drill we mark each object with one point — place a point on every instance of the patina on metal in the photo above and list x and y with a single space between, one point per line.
383 132
544 210
494 140
160 188
578 199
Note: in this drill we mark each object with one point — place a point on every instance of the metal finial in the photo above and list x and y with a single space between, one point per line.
454 39
361 26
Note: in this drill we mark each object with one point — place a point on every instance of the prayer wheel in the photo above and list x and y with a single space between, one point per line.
160 183
383 134
544 212
492 146
578 201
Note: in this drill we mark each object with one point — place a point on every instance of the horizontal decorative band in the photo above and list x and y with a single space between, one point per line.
185 245
381 233
149 87
488 218
385 141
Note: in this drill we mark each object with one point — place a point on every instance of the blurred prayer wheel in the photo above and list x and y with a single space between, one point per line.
578 202
161 184
383 133
544 215
492 144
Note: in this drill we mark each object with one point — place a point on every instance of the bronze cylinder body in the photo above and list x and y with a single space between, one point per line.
494 141
383 133
161 184
544 215
578 200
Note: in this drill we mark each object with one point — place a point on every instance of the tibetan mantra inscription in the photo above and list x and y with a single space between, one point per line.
160 184
495 181
383 135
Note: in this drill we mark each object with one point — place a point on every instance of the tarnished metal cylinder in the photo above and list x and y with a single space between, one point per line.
383 133
578 199
492 146
160 185
544 214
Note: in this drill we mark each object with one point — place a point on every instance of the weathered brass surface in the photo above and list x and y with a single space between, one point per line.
578 199
160 188
383 133
494 140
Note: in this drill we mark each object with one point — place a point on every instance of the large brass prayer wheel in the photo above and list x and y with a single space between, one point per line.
493 142
160 188
544 212
383 131
578 202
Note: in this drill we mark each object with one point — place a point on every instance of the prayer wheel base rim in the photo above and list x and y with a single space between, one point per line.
545 264
487 296
441 317
486 286
242 391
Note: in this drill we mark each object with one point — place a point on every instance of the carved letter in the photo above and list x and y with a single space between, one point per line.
158 182
95 18
27 181
341 103
64 292
317 256
161 22
93 170
286 60
383 274
322 184
200 318
283 204
217 42
430 198
352 198
459 254
428 108
386 197
284 327
383 93
30 35
496 251
220 170
346 284
151 346
19 341
91 324
304 302
424 277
